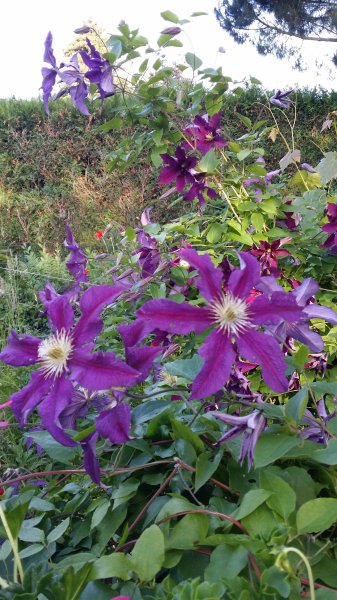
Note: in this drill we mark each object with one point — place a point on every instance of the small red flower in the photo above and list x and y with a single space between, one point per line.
98 234
2 491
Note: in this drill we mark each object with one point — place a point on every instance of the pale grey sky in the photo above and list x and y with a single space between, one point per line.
26 24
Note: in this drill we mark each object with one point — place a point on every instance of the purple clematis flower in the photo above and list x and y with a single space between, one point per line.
65 359
331 228
316 432
48 73
251 426
204 134
281 98
100 71
199 189
300 330
235 322
268 254
180 168
77 262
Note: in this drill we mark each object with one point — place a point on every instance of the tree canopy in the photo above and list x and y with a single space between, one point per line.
274 25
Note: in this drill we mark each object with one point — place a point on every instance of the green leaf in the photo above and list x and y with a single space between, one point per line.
199 14
205 467
56 451
250 502
148 554
327 167
31 550
243 154
244 120
214 233
272 446
56 533
112 565
283 498
31 534
188 533
99 513
168 15
277 580
296 405
316 515
208 163
193 61
257 222
226 561
182 431
186 367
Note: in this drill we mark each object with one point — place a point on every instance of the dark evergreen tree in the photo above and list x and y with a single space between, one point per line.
272 25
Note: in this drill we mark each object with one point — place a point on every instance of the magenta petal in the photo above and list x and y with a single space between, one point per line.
90 461
114 424
303 334
21 350
210 282
133 333
101 370
281 306
174 317
241 281
24 401
60 313
55 402
141 359
303 293
218 353
92 303
263 349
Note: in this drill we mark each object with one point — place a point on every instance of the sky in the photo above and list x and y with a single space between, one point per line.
26 24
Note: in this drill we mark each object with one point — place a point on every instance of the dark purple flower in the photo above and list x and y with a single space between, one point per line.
77 262
199 189
100 70
251 425
149 255
331 227
281 98
235 322
82 30
204 134
268 254
317 432
180 168
65 359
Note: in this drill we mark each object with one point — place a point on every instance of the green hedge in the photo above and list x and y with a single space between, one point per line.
54 168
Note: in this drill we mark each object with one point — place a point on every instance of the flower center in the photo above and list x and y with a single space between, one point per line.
209 136
231 314
54 353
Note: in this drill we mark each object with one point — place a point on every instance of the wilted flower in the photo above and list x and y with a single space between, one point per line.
82 30
251 425
77 263
171 31
281 98
234 319
316 432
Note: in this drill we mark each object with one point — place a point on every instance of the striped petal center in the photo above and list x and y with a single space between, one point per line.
231 314
54 353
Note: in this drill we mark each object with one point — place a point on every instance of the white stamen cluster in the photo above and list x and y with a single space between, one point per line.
231 314
54 353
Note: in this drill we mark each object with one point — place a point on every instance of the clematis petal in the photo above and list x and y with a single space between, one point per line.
58 398
263 349
210 281
21 350
101 370
303 293
90 461
303 333
60 313
241 281
174 317
133 333
92 302
78 94
218 353
141 359
268 285
280 306
114 423
315 311
48 82
25 400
